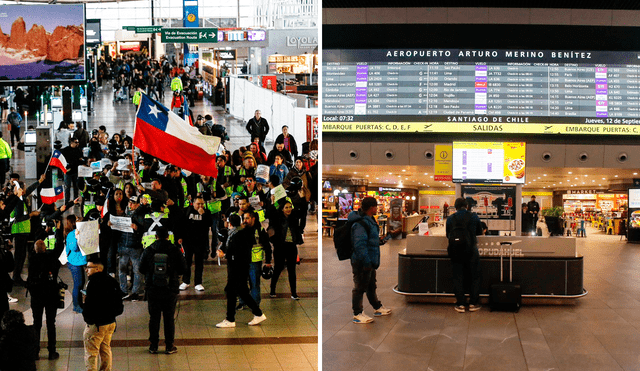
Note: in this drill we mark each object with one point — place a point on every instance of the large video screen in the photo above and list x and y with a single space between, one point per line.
42 44
489 162
481 91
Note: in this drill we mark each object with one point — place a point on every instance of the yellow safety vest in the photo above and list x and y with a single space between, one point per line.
183 182
149 237
176 84
257 251
214 206
23 226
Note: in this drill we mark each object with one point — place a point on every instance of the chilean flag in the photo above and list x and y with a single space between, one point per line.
51 195
58 160
165 135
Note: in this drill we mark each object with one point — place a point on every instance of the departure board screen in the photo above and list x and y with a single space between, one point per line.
487 91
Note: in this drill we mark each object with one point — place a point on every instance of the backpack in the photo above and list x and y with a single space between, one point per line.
342 239
14 119
115 303
160 277
460 241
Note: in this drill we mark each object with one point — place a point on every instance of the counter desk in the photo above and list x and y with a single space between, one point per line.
549 269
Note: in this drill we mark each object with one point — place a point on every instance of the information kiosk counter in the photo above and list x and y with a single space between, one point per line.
545 268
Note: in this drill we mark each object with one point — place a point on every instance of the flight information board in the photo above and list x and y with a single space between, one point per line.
504 91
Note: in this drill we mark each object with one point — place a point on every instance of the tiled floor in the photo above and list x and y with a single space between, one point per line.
287 340
599 332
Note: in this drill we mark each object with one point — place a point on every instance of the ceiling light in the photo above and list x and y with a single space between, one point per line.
355 172
544 174
426 173
390 173
576 178
615 176
604 178
339 169
367 175
570 173
635 173
404 170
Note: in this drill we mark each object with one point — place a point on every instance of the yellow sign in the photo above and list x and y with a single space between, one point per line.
530 193
631 128
191 17
443 163
514 156
429 192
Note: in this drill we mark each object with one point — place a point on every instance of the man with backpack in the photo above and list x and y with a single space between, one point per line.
102 304
162 263
462 228
365 259
14 126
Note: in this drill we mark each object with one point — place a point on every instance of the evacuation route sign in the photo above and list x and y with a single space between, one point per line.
190 35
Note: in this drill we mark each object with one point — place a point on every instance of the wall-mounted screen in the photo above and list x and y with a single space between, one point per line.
481 91
42 44
94 36
489 162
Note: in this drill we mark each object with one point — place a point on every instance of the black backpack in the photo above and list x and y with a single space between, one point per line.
342 239
160 276
115 303
460 241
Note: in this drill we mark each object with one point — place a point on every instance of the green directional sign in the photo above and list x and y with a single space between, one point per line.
143 29
190 35
148 29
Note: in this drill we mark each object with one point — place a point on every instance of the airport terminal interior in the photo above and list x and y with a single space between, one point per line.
286 341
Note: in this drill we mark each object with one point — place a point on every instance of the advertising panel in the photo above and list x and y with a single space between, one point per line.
93 32
489 162
494 205
42 44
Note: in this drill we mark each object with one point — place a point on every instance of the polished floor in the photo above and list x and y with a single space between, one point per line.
287 340
600 331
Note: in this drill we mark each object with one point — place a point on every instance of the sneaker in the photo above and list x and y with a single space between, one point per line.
295 297
183 286
226 324
12 299
171 350
132 297
53 355
199 288
362 318
257 319
474 307
459 308
382 311
153 349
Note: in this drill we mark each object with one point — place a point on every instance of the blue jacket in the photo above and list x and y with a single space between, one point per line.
366 247
72 250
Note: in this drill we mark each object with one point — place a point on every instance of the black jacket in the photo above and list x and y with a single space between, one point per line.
197 226
18 349
96 302
258 128
238 254
176 261
292 144
43 271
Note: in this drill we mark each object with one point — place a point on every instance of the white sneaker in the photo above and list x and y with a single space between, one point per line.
12 299
362 318
256 320
382 311
199 288
183 286
226 324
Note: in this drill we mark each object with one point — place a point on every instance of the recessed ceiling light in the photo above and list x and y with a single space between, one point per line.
544 174
599 184
355 172
339 169
586 175
367 175
576 178
390 173
560 183
426 173
615 176
604 178
593 181
377 178
570 173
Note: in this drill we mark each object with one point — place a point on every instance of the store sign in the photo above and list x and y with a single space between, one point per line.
443 163
302 42
582 191
130 46
256 35
189 35
382 189
234 36
437 193
226 55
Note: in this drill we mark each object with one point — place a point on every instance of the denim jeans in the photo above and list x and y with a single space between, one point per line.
127 255
364 280
255 272
77 273
70 180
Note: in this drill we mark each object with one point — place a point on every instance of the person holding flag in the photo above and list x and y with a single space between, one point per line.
69 159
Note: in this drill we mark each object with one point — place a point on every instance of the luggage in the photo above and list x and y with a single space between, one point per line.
505 296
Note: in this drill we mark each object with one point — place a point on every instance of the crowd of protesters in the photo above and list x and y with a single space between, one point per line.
253 214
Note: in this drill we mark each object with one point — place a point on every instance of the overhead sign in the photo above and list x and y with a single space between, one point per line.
190 8
143 29
93 32
189 35
256 35
443 163
226 55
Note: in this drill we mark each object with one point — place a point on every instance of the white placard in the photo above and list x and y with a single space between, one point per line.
85 172
255 202
96 166
88 235
121 223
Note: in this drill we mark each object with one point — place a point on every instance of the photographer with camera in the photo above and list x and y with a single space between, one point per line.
42 283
